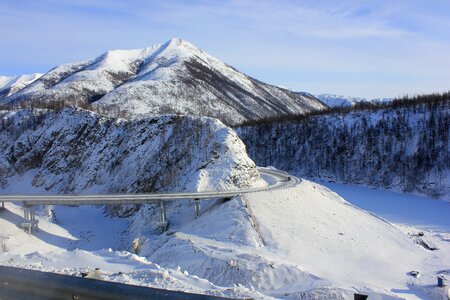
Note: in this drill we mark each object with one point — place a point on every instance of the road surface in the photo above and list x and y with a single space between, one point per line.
276 179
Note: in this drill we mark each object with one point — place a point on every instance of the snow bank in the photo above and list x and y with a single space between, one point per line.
301 243
340 243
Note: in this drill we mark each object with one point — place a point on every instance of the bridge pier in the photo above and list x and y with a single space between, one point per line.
197 207
3 206
162 215
29 216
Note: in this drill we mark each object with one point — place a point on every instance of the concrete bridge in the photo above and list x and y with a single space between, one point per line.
276 179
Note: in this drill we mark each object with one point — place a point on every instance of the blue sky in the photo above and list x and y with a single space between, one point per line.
382 48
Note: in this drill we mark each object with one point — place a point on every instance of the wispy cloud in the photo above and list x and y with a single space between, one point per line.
386 47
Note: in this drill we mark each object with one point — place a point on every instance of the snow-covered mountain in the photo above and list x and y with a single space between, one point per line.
338 101
333 100
174 77
12 84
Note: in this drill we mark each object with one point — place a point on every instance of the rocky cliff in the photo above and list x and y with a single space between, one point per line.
76 151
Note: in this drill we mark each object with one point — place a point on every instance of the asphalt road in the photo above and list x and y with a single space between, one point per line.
276 179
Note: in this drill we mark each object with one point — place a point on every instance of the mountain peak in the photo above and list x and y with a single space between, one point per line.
180 48
11 84
173 77
175 41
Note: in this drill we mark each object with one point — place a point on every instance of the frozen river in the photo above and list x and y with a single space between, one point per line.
419 211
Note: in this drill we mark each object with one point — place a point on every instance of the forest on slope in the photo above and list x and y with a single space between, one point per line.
402 145
78 151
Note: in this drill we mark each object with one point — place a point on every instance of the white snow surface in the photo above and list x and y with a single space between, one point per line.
303 242
400 208
11 84
338 100
333 100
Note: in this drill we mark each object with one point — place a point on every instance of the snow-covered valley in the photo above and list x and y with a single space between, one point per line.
401 208
303 242
298 242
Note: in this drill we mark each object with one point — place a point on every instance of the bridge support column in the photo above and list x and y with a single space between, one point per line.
29 216
3 206
162 215
26 213
197 207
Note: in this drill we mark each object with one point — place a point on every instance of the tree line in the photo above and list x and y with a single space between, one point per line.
403 145
404 101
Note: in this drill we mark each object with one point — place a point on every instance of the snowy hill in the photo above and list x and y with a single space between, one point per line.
404 148
333 100
338 101
10 85
76 151
174 77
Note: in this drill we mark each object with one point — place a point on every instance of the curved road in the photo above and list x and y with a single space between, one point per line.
276 179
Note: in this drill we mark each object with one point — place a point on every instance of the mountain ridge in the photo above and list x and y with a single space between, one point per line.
11 84
334 100
173 77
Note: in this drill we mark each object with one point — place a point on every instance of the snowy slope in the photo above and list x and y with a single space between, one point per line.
333 100
337 100
174 77
334 240
69 246
404 148
76 151
303 242
11 85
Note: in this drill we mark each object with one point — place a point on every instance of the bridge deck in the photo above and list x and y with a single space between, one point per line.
282 180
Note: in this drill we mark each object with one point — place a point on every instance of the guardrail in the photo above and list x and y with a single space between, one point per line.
21 284
285 180
282 179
